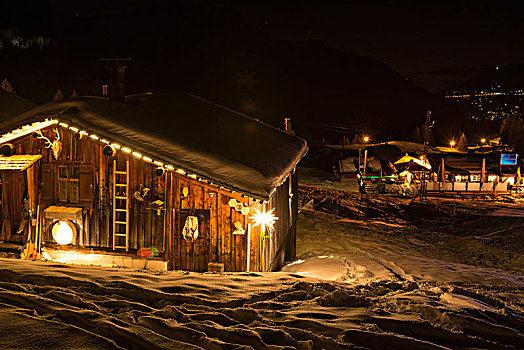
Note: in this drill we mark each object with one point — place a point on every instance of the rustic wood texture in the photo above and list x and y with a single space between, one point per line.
154 226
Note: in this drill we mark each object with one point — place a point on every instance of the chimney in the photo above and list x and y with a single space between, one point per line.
287 126
117 85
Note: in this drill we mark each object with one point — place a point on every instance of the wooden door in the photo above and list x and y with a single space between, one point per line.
13 191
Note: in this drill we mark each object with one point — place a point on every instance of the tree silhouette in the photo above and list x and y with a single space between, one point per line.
6 85
463 143
58 96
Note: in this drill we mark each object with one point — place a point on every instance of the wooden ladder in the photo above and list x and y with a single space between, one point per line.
120 206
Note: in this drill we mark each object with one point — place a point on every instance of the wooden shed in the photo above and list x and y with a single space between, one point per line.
189 180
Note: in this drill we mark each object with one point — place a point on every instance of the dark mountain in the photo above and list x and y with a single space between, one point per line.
473 78
508 77
207 50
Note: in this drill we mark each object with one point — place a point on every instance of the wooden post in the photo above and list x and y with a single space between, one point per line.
365 161
248 247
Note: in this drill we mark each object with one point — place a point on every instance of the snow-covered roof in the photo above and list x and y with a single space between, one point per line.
466 163
11 105
211 141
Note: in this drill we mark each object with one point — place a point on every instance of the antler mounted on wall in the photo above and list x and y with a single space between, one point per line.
56 145
40 136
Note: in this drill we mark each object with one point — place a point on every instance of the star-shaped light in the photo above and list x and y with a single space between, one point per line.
264 219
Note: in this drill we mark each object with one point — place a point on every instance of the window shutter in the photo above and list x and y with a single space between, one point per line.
48 182
86 183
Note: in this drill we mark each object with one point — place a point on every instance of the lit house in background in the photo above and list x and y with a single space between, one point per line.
174 174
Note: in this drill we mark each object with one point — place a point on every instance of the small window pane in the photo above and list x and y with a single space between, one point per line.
75 192
74 172
62 191
62 172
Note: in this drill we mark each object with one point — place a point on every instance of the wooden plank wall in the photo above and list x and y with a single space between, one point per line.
216 242
146 226
163 229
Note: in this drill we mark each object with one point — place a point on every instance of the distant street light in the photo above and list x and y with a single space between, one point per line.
483 140
366 139
452 143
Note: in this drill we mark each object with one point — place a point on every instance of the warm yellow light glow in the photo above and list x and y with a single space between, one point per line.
156 162
74 129
116 145
264 219
483 140
94 137
64 232
25 130
147 159
64 125
192 176
366 138
125 149
170 167
180 171
136 154
452 143
104 141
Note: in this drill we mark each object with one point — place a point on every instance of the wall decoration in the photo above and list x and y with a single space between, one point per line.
185 192
245 211
239 230
232 202
142 194
56 145
190 230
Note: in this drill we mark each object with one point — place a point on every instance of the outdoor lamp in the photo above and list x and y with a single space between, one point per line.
64 232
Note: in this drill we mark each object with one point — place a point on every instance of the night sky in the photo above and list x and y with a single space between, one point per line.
410 36
353 63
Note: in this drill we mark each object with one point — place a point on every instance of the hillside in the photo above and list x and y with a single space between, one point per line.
204 49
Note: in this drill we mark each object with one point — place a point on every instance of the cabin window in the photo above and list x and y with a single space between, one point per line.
68 184
63 180
74 184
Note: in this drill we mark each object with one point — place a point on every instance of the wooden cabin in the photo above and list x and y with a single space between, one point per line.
174 172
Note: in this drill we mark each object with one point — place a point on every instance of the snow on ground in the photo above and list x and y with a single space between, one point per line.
367 275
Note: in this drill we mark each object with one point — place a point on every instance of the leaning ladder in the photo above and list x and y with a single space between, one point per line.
120 206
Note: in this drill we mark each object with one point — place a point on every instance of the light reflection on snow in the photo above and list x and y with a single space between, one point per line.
299 261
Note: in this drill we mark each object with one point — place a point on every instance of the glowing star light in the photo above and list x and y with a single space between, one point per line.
265 219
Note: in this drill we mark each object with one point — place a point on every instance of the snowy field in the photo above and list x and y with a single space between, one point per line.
369 274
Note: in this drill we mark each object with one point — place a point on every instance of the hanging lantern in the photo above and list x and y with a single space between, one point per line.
159 171
64 232
7 150
109 150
